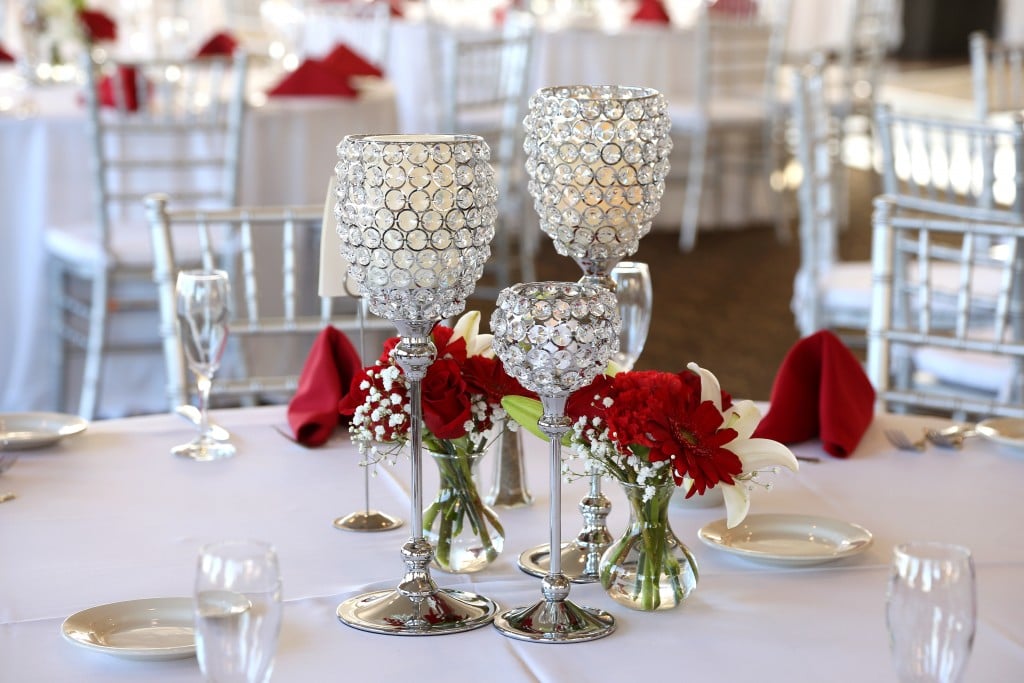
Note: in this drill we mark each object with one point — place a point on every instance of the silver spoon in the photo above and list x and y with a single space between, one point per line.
191 413
950 437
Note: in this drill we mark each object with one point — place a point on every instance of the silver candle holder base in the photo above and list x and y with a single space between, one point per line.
555 619
368 520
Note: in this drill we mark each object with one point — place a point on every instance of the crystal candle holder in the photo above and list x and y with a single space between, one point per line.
555 338
415 218
597 158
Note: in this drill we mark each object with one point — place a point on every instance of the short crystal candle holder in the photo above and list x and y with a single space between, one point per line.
555 338
416 217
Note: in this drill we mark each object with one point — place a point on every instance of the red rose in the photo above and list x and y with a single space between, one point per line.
445 400
97 25
487 376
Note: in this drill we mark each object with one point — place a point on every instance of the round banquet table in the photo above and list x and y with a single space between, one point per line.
109 515
288 156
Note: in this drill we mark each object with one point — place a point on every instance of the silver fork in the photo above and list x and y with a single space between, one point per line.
903 442
6 460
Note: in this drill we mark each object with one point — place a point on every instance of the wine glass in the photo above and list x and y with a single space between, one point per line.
633 291
203 311
238 611
930 611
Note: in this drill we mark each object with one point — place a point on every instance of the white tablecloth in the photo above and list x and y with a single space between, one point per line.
109 515
288 156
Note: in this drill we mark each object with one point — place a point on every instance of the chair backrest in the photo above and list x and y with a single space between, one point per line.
924 267
816 145
861 56
483 92
277 309
164 124
997 75
738 54
970 169
364 26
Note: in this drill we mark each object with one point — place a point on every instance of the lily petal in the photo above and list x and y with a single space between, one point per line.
743 416
759 454
737 503
467 327
710 389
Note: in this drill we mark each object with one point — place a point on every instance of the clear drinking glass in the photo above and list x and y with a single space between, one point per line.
204 298
930 611
633 291
238 611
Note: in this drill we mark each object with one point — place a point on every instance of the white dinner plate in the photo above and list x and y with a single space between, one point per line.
21 431
152 628
1008 431
788 539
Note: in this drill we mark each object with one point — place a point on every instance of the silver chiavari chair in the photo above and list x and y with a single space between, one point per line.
917 360
162 124
997 75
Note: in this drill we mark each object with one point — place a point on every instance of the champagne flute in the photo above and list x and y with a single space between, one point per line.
930 611
203 311
238 611
633 292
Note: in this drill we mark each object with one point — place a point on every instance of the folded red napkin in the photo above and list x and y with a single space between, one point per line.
348 62
326 377
653 11
107 89
740 8
220 43
97 25
821 390
5 56
396 7
313 77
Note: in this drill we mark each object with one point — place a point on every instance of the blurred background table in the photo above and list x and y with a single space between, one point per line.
110 515
288 156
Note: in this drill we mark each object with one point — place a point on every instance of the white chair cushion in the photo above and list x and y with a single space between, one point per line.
130 246
972 369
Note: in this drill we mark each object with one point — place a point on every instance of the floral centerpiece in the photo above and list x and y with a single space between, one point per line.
462 415
55 31
654 431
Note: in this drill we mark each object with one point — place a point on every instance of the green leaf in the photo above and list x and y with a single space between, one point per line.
527 412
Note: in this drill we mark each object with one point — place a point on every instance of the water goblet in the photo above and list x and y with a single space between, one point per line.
204 302
238 611
555 338
633 292
931 609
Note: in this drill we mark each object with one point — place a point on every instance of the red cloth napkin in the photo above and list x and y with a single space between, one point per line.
313 77
820 391
653 11
5 56
97 25
220 43
107 89
395 7
734 8
348 62
326 377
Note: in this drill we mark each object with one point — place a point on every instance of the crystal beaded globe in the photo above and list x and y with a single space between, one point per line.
416 217
597 158
555 337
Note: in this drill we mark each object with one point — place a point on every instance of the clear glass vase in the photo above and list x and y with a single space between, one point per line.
465 533
648 568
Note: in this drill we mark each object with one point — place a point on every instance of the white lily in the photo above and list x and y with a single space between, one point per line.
468 328
756 455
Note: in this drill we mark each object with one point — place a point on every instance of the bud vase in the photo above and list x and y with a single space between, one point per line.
465 533
648 568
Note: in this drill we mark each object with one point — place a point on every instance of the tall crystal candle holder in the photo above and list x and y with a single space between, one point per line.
555 338
597 158
415 217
